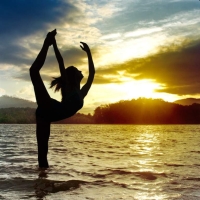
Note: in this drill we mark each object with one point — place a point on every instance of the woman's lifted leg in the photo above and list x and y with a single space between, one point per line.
43 100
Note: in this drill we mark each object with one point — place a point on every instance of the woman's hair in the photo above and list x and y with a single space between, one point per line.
71 73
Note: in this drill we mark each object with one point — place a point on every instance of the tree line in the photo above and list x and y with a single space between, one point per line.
27 116
147 111
135 111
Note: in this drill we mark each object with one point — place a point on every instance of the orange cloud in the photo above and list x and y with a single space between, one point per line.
176 67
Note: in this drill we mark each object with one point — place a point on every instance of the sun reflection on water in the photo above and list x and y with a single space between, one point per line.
147 146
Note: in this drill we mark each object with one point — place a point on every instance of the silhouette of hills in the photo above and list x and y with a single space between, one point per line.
10 102
188 101
14 110
147 111
135 111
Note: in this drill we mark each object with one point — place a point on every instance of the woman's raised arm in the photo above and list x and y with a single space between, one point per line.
60 61
86 87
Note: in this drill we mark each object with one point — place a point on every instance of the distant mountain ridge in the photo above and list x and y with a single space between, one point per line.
187 102
8 102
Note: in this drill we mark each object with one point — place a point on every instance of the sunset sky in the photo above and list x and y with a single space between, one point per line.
141 48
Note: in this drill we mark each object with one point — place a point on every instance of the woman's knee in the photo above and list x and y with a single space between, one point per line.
35 75
33 71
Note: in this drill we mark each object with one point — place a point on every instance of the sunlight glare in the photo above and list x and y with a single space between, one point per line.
133 89
141 88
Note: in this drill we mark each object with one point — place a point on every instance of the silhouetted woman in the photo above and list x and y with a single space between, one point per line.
49 109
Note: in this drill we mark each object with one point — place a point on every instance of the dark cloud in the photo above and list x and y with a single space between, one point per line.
21 18
178 68
26 77
14 54
76 57
100 79
72 56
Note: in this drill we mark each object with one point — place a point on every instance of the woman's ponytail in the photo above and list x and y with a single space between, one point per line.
57 83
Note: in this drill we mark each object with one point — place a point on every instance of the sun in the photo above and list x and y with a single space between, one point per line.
144 88
140 88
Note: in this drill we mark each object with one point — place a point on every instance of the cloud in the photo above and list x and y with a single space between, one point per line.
72 56
112 36
147 13
143 31
2 91
22 18
106 79
13 54
23 23
109 27
26 92
177 67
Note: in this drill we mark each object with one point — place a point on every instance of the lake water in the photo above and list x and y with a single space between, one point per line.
100 162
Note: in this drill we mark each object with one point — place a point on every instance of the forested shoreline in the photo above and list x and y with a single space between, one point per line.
135 111
147 111
27 116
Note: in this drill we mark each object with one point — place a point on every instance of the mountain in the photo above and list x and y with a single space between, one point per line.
188 101
8 102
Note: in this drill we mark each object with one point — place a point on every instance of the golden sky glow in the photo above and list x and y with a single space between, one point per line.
140 48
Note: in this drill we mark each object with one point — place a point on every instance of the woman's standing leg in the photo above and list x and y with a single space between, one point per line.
42 134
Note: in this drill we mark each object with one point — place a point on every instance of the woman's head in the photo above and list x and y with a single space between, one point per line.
73 79
74 76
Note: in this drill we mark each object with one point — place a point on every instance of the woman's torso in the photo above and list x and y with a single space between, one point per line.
73 98
70 104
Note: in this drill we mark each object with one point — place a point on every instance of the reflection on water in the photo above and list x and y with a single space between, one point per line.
41 187
102 162
44 187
